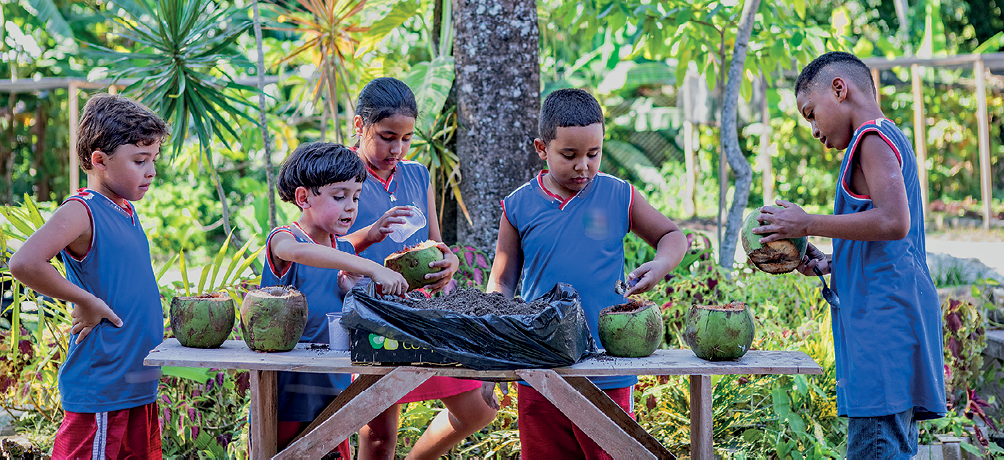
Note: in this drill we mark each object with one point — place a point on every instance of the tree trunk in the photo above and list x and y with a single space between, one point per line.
262 118
498 101
43 180
730 137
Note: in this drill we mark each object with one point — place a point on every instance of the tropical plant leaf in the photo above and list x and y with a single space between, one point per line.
47 13
401 12
431 83
199 375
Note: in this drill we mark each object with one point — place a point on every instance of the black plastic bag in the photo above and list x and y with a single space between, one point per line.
556 337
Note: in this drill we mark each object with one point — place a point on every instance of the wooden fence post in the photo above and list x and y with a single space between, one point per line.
689 203
920 132
986 187
73 116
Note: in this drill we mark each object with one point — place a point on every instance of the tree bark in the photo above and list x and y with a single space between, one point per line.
262 119
730 137
498 82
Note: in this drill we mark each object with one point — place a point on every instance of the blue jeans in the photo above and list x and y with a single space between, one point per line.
882 437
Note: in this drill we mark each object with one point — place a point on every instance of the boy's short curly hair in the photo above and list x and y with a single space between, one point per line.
567 107
316 164
109 121
844 64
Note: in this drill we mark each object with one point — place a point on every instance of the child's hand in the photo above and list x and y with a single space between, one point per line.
648 275
450 263
390 282
814 258
348 280
788 221
381 228
488 394
88 316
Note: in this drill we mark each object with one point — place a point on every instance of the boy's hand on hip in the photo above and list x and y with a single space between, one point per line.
88 316
786 220
391 283
450 263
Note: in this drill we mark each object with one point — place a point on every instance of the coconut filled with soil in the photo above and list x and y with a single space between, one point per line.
273 318
720 332
632 329
202 321
413 263
776 257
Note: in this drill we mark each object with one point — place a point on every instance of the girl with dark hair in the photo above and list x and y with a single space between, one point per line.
385 123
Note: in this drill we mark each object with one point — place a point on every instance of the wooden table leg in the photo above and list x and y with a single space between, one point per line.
587 416
618 416
263 414
357 412
701 419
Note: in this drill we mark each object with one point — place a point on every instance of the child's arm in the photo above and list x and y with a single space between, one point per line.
450 262
663 234
69 226
508 261
376 232
285 247
889 219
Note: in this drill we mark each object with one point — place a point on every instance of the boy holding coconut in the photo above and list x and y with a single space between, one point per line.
323 180
108 395
887 332
568 225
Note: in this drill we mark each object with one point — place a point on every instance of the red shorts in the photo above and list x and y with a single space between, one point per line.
290 429
438 387
132 433
546 433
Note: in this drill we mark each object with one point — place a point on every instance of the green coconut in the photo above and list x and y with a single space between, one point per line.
776 257
632 329
202 321
273 318
413 263
720 332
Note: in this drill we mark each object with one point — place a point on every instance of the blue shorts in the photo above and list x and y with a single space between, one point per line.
882 437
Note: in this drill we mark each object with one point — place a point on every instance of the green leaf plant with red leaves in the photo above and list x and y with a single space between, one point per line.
964 340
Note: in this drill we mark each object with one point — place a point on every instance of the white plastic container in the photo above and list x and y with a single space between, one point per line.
338 335
412 224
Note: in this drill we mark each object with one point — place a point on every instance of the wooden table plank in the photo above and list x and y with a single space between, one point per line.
590 419
356 413
263 415
701 418
236 355
360 384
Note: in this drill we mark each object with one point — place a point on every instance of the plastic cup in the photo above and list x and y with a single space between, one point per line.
412 224
338 335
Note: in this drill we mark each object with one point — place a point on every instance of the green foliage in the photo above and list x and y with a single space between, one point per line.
202 411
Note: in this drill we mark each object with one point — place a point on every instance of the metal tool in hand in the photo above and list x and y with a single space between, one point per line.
621 287
829 295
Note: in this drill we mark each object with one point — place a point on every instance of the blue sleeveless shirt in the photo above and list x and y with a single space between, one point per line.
302 396
407 185
579 241
105 372
887 333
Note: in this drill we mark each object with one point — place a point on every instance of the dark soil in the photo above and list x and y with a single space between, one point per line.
631 306
471 301
732 306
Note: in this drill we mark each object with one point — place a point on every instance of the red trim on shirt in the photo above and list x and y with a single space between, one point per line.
89 216
563 202
268 244
383 182
630 209
504 216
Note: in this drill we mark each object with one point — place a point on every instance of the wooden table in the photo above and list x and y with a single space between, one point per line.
378 387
